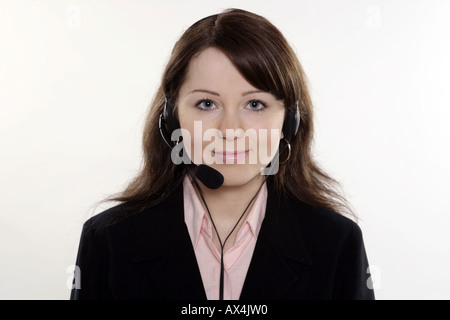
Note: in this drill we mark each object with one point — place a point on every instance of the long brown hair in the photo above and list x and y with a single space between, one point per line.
264 57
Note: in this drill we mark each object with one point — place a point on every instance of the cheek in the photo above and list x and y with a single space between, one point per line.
198 137
269 134
268 142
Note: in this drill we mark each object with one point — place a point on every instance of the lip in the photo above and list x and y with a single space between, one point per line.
231 156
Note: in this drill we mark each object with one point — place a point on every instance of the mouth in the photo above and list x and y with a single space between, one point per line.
231 156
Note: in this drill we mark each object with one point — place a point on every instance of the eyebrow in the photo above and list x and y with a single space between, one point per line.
217 94
206 91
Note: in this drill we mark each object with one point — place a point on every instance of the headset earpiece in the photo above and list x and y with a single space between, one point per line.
171 123
291 123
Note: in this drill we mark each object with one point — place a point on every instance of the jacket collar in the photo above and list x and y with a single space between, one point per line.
167 255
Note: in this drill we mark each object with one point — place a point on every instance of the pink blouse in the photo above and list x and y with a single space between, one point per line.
237 258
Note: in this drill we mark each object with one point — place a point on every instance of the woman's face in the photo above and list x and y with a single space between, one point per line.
229 124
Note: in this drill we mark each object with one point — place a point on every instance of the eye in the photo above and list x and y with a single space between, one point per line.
256 105
205 104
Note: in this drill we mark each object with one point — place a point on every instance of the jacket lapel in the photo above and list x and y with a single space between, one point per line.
278 252
166 253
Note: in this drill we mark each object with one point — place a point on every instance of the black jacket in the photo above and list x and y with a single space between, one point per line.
302 252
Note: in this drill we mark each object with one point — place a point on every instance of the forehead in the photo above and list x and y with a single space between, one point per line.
212 69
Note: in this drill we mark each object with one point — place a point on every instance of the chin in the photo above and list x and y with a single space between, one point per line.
236 175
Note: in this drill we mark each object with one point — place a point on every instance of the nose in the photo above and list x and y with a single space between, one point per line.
230 126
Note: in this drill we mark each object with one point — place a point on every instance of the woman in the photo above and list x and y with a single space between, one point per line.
222 209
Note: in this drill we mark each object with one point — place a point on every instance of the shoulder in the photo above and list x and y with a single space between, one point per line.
323 223
121 218
129 221
105 218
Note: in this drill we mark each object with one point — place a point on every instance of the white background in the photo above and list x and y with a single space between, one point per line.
77 77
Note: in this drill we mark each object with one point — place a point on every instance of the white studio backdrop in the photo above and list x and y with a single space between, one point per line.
77 77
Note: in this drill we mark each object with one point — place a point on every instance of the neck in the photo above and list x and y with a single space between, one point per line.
229 207
227 203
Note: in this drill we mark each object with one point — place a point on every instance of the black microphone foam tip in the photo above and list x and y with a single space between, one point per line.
209 176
